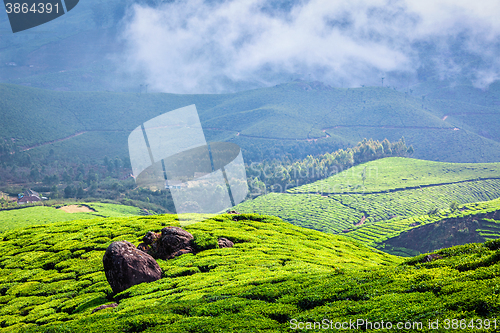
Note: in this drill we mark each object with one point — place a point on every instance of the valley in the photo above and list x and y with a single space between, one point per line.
370 138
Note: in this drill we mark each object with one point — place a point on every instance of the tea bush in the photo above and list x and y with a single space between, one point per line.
275 273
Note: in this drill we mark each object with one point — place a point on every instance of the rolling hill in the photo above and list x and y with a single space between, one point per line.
469 223
297 118
276 276
26 216
394 189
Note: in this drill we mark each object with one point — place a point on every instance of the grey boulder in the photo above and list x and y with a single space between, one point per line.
125 266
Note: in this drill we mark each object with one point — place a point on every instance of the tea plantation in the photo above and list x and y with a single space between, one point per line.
15 218
391 187
276 276
377 234
393 173
267 122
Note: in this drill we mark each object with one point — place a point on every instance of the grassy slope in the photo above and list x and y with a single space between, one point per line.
336 212
399 173
279 114
275 272
376 234
17 218
59 278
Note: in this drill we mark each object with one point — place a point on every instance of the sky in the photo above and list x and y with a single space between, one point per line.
195 46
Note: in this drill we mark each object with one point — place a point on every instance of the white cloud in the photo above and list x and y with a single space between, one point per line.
194 47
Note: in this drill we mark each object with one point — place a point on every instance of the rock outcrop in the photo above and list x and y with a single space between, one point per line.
126 266
102 307
224 242
431 257
170 243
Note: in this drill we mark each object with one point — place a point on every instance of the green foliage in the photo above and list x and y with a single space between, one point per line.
400 173
493 244
267 123
45 214
336 213
51 276
376 234
204 241
395 189
275 273
280 176
273 124
433 211
453 206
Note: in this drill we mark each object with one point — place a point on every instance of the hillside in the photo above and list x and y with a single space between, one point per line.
297 118
398 173
58 280
393 188
53 283
469 223
23 217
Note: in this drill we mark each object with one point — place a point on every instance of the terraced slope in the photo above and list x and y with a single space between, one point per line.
297 118
399 173
51 276
277 277
393 187
475 222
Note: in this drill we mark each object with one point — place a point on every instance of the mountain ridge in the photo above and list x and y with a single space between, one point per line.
288 117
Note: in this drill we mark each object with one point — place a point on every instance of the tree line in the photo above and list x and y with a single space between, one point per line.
277 176
58 178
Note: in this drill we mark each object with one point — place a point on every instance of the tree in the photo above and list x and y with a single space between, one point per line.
54 193
118 163
80 193
50 180
92 177
66 177
69 191
34 174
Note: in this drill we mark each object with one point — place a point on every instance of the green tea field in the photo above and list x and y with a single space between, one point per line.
378 200
17 218
297 118
276 277
475 222
396 173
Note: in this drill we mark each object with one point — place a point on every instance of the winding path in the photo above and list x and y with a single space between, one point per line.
237 133
53 141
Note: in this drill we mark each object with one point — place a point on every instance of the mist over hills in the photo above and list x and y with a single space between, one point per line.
283 79
298 118
205 46
397 69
